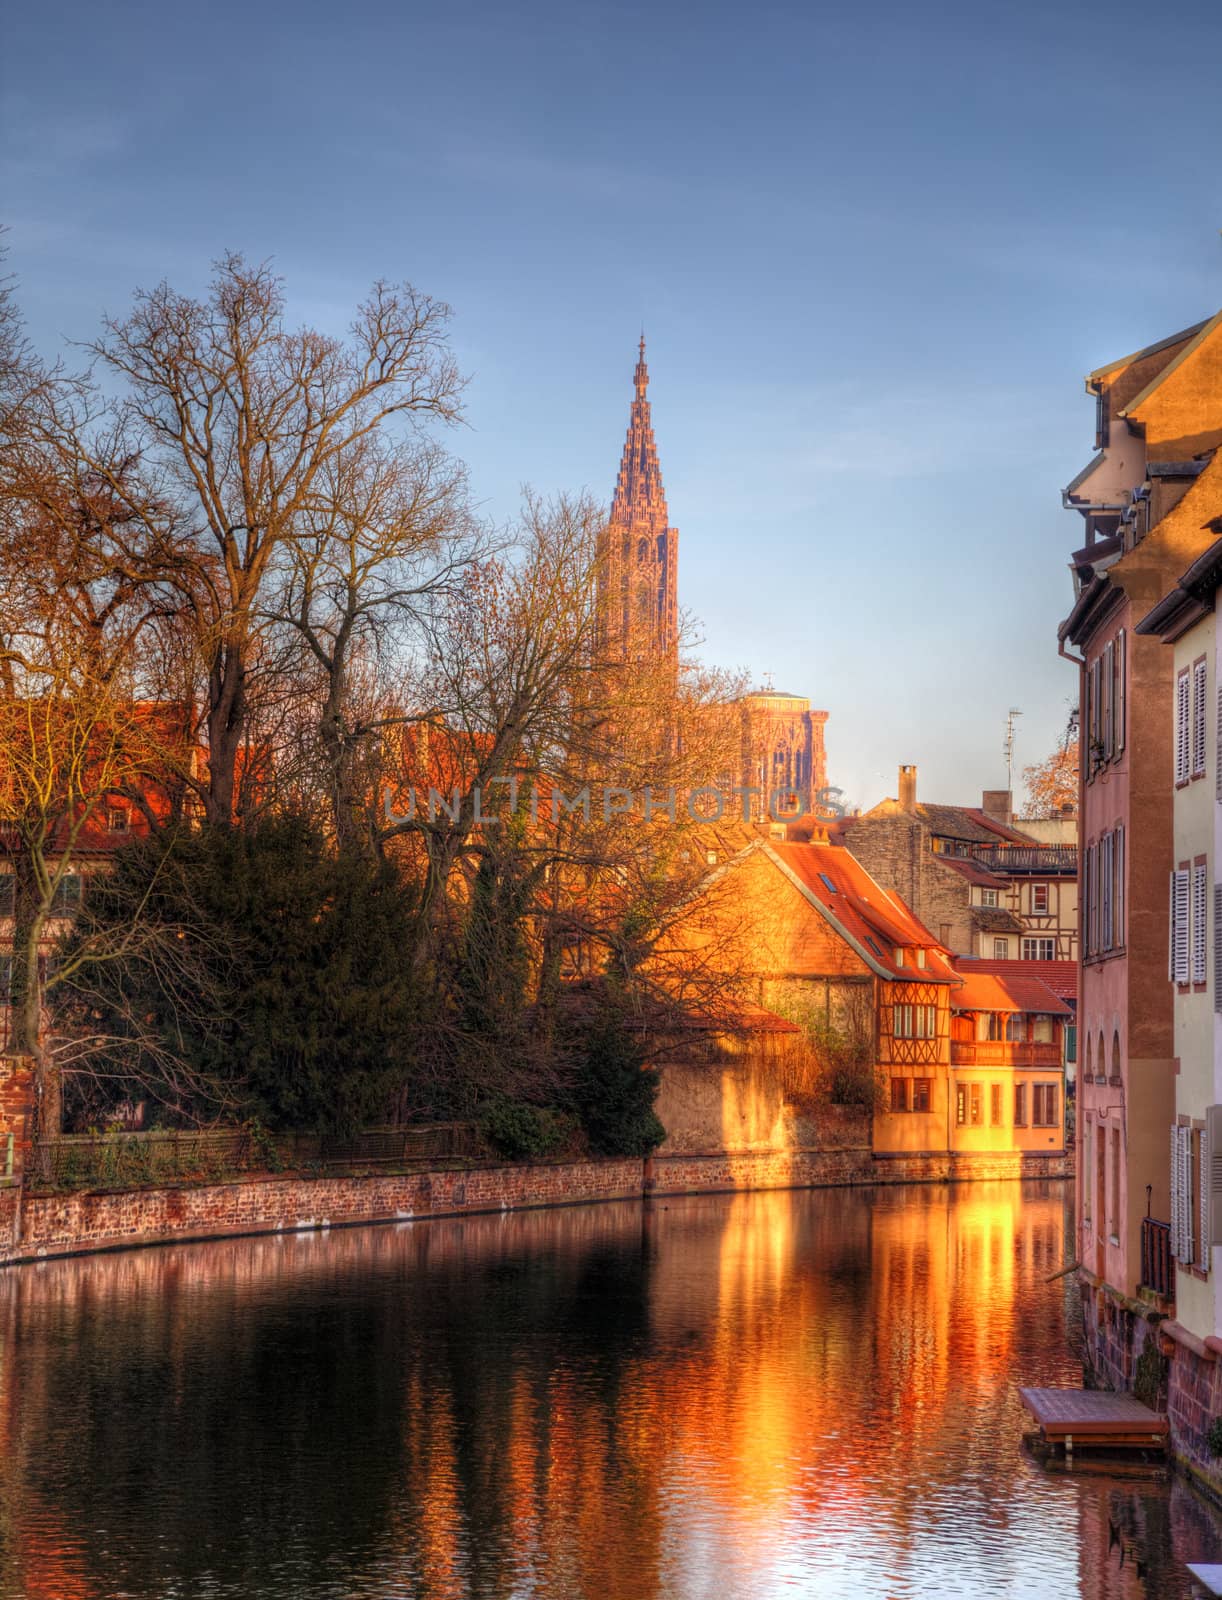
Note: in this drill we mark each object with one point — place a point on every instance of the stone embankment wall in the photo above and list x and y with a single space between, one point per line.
1133 1346
36 1226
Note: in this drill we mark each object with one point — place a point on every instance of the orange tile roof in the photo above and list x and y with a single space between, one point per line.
868 913
988 991
1060 976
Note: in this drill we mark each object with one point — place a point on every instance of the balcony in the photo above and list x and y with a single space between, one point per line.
1037 860
1005 1053
1157 1267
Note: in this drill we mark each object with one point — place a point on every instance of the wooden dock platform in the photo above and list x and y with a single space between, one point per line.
1093 1419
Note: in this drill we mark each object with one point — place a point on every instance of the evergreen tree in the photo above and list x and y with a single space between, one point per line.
305 1013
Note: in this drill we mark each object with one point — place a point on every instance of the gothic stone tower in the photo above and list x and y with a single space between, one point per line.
639 566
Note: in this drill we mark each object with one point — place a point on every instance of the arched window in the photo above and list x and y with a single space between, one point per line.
1116 1054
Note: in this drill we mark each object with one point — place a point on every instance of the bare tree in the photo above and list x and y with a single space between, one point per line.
386 540
248 421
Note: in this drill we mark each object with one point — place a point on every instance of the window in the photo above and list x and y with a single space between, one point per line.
1071 1043
827 883
1016 1027
1088 1140
1020 1105
1039 949
1178 966
915 1022
1115 1211
1107 671
920 957
1119 694
1094 730
1200 898
117 820
1041 1030
1198 718
899 1094
960 1104
1044 1105
899 956
67 897
1190 1242
976 1103
1107 938
1001 949
988 897
1183 727
922 1093
995 1104
1039 899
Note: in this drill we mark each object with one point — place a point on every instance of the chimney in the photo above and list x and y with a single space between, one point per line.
996 803
908 788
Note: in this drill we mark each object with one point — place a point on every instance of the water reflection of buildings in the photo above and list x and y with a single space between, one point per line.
613 1401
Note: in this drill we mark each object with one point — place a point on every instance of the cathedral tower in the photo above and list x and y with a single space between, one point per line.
639 565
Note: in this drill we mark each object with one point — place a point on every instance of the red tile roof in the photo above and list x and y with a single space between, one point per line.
972 871
1060 976
869 914
993 991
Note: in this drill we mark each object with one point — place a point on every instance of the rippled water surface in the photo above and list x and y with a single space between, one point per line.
791 1394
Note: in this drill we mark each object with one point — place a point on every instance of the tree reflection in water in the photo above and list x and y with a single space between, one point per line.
808 1392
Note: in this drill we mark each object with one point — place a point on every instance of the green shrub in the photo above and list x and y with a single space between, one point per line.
522 1132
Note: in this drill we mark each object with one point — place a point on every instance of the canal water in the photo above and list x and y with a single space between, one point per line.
808 1393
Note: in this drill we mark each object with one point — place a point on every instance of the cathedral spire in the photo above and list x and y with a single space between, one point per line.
640 554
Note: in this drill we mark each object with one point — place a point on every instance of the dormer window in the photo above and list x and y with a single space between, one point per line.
899 956
117 820
920 957
988 897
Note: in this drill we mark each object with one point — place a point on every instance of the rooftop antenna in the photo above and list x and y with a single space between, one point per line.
767 683
1009 748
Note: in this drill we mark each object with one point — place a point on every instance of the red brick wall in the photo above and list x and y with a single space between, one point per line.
49 1225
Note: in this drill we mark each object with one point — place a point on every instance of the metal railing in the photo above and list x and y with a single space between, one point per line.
127 1160
1157 1264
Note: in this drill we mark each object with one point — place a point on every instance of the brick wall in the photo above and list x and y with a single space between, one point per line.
50 1225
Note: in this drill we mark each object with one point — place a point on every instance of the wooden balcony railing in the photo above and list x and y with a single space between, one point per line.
1157 1266
1004 1053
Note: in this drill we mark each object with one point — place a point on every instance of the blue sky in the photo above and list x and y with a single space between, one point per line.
874 251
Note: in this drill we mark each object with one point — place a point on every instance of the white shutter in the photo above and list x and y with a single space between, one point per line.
1203 1184
1198 719
1118 892
1200 895
1218 753
1218 947
1175 1192
1182 727
1212 1161
1186 1223
1121 694
1107 684
1179 925
1106 884
1182 1194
